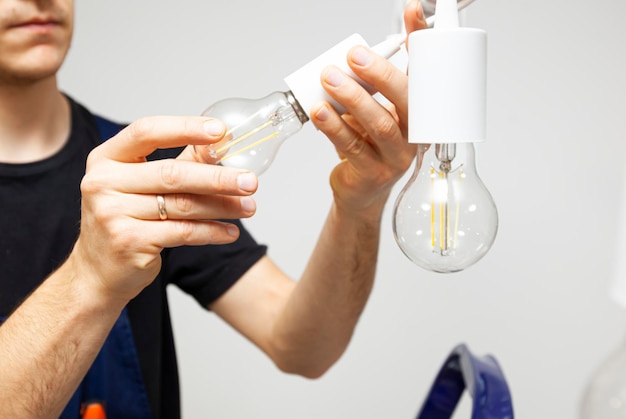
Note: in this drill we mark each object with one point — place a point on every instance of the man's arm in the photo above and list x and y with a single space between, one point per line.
306 326
48 344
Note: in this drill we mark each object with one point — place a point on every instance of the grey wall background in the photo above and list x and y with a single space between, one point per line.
553 161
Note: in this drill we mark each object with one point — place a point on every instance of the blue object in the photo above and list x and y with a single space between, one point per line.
114 379
106 128
483 379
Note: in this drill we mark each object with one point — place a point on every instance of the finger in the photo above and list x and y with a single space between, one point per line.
145 135
376 120
186 207
174 233
347 141
414 18
383 76
354 124
170 176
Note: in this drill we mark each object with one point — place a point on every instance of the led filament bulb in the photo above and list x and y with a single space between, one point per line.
444 216
256 129
445 219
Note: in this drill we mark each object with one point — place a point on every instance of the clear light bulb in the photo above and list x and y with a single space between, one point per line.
256 129
445 219
605 395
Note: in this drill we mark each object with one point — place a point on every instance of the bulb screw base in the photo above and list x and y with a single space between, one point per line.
297 108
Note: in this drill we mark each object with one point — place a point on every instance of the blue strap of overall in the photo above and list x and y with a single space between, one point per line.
115 377
483 379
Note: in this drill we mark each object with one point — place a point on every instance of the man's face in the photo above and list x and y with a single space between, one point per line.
35 36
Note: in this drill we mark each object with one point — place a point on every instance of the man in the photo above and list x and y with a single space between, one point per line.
86 252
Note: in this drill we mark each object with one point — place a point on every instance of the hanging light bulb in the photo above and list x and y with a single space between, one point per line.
445 219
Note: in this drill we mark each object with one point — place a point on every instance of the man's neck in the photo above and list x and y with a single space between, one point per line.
34 121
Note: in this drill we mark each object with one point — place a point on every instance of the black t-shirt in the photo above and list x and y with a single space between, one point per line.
39 223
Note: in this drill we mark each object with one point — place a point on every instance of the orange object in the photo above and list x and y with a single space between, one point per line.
93 410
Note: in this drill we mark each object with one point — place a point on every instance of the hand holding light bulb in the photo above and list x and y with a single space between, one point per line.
257 128
461 216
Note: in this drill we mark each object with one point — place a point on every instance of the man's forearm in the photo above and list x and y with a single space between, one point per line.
48 344
319 319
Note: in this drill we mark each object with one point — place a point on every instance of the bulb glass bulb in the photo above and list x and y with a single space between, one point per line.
445 219
256 130
605 395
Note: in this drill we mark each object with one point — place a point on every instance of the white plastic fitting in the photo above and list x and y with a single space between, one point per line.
305 82
447 68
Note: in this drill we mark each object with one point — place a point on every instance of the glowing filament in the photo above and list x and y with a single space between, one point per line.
432 208
244 137
248 147
444 227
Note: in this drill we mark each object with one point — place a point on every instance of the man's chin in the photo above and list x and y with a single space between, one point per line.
25 78
31 71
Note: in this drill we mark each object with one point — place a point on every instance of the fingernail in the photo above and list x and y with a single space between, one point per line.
247 182
232 230
334 77
214 128
248 204
361 56
322 113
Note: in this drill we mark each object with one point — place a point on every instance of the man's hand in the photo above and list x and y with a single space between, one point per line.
122 232
370 138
